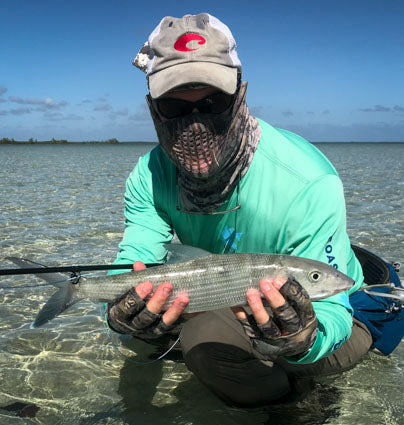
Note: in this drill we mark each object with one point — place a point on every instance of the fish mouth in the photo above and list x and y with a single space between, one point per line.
335 288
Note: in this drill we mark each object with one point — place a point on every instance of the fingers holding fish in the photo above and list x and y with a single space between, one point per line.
270 290
255 302
285 319
277 293
144 289
299 299
292 326
129 304
138 265
240 313
160 297
175 310
139 311
289 303
272 295
143 320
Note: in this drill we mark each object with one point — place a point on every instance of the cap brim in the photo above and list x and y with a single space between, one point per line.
212 74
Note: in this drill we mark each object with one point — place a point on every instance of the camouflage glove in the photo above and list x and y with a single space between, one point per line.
130 315
291 330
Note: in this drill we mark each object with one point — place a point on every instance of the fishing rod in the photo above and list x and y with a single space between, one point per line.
62 269
65 269
177 253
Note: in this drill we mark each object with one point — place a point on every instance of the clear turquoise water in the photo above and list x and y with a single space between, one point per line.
63 205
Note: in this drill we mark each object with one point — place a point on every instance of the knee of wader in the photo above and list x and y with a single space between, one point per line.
215 359
215 367
234 376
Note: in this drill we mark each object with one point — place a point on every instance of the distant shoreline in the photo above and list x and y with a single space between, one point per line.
65 142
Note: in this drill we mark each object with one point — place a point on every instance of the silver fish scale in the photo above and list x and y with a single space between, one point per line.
219 281
216 287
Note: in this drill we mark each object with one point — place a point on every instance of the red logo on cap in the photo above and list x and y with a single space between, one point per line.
181 43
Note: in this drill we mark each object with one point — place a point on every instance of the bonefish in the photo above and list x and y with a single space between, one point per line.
212 282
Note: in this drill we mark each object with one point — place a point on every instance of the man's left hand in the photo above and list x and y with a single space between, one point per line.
291 330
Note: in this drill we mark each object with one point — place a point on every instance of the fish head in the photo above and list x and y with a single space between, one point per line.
319 279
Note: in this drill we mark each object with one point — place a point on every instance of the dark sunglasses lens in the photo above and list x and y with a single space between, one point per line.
172 108
213 104
218 102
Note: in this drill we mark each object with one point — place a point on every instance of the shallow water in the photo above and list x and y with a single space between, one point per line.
63 205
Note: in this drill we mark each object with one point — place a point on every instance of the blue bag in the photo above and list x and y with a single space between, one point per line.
384 317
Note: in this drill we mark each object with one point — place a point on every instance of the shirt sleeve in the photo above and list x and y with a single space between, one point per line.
315 227
147 228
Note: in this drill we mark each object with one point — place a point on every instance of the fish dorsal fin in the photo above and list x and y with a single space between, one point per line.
56 279
178 253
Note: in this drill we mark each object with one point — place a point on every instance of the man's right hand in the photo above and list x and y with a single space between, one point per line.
130 314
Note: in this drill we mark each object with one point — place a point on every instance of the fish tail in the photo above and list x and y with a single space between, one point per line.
60 301
55 279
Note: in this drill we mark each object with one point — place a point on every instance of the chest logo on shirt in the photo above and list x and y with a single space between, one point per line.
328 251
230 236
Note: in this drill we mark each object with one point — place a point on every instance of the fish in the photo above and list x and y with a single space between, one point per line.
211 281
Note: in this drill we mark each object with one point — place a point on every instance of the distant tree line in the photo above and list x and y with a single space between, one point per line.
6 140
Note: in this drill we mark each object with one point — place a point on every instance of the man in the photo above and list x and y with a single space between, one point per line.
225 181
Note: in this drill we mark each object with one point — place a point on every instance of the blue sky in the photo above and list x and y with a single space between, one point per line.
327 70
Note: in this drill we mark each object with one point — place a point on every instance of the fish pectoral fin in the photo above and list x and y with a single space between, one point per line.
178 253
56 304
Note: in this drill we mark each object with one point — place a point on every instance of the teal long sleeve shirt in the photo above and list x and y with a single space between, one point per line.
292 202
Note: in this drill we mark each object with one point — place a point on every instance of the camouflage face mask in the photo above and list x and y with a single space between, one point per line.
211 151
194 142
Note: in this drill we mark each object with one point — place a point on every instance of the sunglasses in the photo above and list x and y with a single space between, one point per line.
215 103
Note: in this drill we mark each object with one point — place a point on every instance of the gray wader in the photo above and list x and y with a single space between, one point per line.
219 353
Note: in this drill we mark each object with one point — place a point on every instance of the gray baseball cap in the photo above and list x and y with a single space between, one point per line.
192 49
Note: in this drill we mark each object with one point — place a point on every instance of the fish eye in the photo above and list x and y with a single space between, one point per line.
315 276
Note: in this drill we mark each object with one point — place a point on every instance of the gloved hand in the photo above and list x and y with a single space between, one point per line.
291 330
131 314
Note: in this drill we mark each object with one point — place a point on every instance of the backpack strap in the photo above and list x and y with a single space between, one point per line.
375 270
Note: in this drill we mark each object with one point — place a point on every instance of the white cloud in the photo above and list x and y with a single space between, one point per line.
287 113
376 108
43 104
143 115
57 116
103 107
350 132
17 111
120 113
